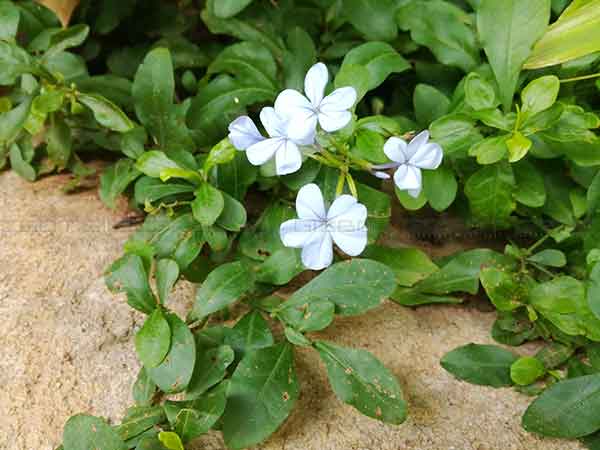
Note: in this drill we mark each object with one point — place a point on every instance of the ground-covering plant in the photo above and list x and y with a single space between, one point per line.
483 108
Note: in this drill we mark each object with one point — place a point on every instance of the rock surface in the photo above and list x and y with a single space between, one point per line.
67 345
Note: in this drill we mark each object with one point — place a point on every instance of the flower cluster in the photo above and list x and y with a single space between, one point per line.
292 124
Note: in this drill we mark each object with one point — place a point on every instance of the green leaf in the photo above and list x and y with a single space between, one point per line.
179 238
489 191
222 153
250 62
167 273
229 8
115 179
530 189
143 389
9 20
479 94
444 29
236 176
175 372
233 217
360 380
379 58
313 315
106 112
12 122
593 196
14 62
408 201
429 103
354 286
280 267
549 257
128 274
490 150
154 162
593 290
369 146
83 432
20 164
508 31
211 368
67 38
356 76
455 133
202 414
153 340
526 370
410 265
149 189
461 273
153 89
574 35
295 337
568 409
208 204
224 286
557 295
139 419
263 391
487 365
373 18
300 55
503 289
440 187
250 333
540 94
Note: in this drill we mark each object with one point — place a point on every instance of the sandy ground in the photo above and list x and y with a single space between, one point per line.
66 346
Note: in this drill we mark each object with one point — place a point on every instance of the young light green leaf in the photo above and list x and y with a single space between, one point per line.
360 380
175 372
170 440
83 432
67 38
263 391
223 286
487 365
502 288
106 112
518 146
154 162
508 31
229 8
410 265
526 370
153 340
490 150
208 204
552 413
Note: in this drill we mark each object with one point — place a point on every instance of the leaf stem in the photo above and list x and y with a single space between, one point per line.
581 78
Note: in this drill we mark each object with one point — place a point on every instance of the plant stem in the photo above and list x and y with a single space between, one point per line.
583 77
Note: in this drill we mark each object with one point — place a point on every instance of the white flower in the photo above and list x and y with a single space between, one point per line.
316 230
244 135
331 112
410 159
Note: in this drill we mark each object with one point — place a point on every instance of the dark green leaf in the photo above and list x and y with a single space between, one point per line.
373 18
106 112
67 38
143 389
233 217
115 179
488 365
128 274
211 368
153 340
208 204
167 273
489 191
83 432
360 380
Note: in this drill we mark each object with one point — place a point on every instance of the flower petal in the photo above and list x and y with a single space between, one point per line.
407 177
310 204
333 121
416 143
341 99
353 242
288 158
382 175
315 82
395 149
302 128
262 151
290 103
275 124
243 133
297 232
428 156
344 207
317 254
414 193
